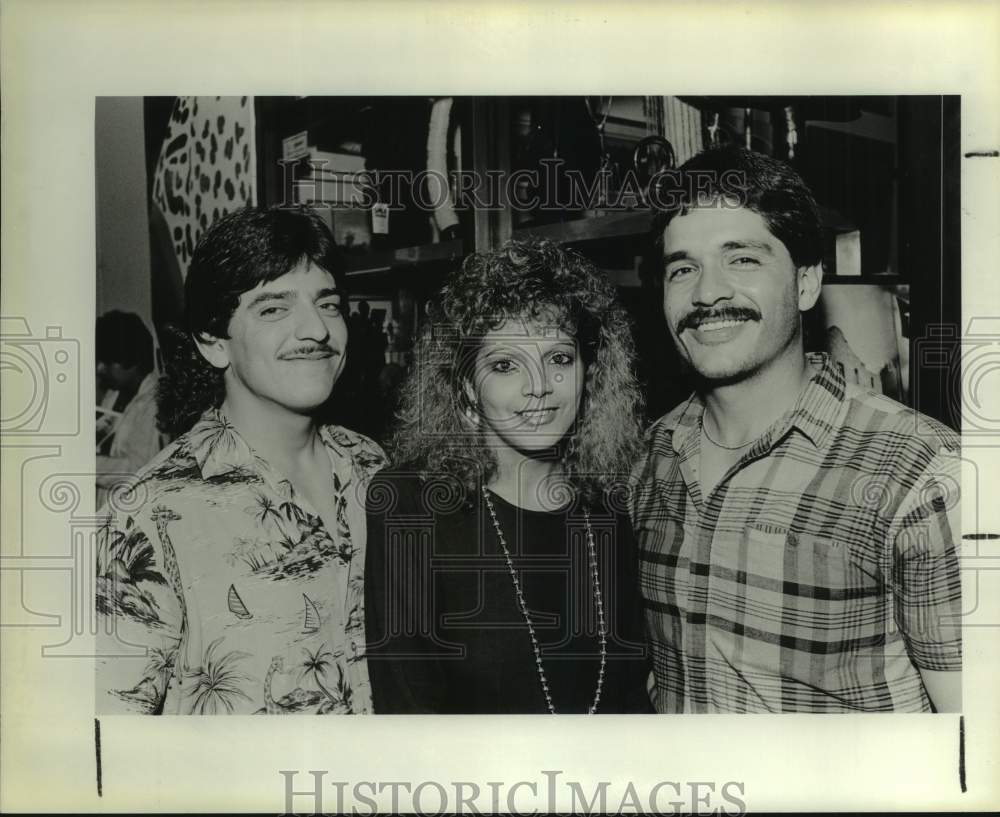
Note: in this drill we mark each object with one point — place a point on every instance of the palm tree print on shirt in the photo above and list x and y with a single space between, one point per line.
315 663
257 554
285 524
314 669
243 527
340 698
264 511
152 687
291 511
125 560
161 662
220 439
298 700
218 685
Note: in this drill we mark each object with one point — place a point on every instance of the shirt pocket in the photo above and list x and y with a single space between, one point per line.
800 563
812 592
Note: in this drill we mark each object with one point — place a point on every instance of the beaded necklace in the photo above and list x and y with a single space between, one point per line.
599 603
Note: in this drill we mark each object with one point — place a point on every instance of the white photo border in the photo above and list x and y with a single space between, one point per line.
57 57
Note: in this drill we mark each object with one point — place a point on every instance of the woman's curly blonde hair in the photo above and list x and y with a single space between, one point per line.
523 279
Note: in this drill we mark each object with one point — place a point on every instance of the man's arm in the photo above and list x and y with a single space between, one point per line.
927 581
139 633
944 689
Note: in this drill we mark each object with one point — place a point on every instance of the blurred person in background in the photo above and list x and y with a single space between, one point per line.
127 434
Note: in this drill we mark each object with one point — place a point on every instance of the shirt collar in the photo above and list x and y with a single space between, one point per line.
818 408
687 421
338 447
815 412
218 447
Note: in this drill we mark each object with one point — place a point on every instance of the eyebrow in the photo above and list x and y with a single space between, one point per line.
748 245
263 297
728 246
288 295
676 255
505 347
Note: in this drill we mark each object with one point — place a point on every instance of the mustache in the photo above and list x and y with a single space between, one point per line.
309 349
726 313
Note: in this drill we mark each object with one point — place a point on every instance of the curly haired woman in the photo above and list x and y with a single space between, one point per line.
501 569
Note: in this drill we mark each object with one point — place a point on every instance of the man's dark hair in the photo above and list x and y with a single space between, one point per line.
242 250
732 175
123 338
245 249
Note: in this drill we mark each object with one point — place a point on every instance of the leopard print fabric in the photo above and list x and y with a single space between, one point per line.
206 167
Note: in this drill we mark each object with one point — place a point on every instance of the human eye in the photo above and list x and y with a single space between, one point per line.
503 365
331 306
675 271
744 261
272 312
563 358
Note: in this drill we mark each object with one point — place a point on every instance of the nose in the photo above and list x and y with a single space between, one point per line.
713 285
310 324
539 380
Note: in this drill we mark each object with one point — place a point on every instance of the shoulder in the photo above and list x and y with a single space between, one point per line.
681 414
401 490
170 470
366 455
899 427
658 437
165 490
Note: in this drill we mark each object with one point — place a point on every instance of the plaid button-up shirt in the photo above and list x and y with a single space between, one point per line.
818 575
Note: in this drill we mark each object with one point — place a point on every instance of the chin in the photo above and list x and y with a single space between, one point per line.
722 373
535 445
305 403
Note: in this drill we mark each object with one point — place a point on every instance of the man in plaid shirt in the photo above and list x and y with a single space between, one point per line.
797 535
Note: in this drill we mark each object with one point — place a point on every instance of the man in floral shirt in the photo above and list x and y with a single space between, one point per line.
230 577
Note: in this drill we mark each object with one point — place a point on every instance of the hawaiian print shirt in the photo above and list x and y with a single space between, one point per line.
221 591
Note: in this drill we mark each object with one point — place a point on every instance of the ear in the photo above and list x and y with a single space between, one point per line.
214 350
469 391
810 284
471 409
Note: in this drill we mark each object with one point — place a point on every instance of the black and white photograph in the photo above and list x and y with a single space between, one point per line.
702 351
599 397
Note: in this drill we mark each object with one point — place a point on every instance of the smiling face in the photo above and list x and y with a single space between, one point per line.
287 342
732 295
526 385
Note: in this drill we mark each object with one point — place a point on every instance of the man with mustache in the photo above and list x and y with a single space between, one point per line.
236 564
797 535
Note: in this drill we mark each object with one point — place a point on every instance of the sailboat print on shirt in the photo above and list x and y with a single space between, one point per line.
312 618
236 605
